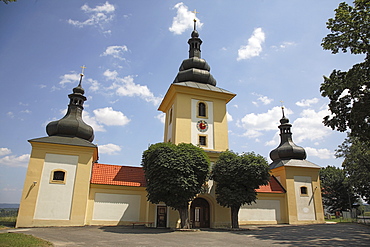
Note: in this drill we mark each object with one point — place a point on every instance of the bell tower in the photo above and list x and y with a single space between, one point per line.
195 107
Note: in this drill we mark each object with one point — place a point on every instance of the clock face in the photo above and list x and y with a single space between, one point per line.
202 126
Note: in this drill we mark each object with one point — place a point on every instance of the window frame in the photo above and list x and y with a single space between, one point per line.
205 109
54 181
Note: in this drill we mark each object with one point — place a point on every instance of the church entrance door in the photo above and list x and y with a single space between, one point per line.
199 213
161 216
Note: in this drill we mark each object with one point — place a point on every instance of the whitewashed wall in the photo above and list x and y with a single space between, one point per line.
262 210
305 204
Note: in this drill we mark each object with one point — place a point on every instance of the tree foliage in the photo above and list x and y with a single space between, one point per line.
7 1
356 154
337 193
349 91
175 175
237 178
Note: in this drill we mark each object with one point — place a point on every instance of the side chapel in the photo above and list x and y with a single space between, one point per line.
66 186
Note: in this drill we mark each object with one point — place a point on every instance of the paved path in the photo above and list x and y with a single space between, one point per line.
283 235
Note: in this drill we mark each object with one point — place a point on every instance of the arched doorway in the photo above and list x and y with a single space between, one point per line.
199 213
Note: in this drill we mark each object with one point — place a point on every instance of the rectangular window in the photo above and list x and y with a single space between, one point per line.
203 140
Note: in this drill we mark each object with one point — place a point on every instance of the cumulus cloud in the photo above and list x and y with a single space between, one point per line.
307 102
229 117
91 120
97 16
13 160
184 19
309 126
256 124
69 78
161 117
263 99
254 46
110 117
5 151
109 149
115 51
321 153
127 87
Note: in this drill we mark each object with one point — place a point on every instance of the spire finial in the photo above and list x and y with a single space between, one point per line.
81 74
195 18
282 107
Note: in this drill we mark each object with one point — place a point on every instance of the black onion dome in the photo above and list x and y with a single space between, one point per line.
72 125
195 68
287 148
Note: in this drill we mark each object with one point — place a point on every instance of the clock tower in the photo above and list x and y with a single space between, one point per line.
195 108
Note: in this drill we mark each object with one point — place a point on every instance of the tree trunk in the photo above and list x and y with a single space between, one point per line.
184 218
235 217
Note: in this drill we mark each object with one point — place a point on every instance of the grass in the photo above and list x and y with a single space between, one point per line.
341 220
20 239
7 222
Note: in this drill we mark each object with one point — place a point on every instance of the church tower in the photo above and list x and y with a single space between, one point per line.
299 177
195 108
57 183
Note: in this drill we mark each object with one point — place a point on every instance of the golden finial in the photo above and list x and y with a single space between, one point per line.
282 107
83 69
195 19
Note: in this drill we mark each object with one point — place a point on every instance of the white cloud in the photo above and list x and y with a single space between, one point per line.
15 161
307 102
309 126
10 114
98 16
254 46
229 117
264 99
184 19
110 117
5 151
115 51
126 87
92 122
286 44
321 153
256 123
94 85
161 117
69 78
109 149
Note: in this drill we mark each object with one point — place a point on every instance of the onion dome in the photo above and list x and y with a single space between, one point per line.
195 68
72 125
287 148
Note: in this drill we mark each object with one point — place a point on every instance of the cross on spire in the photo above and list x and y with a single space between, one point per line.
195 16
83 69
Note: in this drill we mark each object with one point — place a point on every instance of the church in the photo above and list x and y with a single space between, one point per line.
65 185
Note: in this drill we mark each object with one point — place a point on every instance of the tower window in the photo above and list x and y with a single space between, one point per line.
202 140
58 176
170 116
202 109
304 191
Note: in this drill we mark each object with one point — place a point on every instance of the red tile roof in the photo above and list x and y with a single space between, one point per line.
274 186
134 176
118 175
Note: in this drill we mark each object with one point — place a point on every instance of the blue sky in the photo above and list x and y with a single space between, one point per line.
264 51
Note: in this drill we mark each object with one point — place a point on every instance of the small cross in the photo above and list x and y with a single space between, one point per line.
195 13
282 104
83 69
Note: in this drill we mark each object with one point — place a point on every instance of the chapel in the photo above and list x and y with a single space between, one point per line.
65 185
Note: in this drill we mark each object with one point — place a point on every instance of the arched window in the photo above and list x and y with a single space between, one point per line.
58 176
202 109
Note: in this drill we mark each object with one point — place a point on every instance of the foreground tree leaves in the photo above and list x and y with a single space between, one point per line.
349 91
237 178
175 174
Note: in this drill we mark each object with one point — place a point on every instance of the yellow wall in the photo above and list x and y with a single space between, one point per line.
86 155
286 175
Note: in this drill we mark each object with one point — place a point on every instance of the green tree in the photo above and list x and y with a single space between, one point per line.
356 154
337 193
237 177
349 91
7 1
175 175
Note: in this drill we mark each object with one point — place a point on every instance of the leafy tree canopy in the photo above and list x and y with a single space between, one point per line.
7 1
175 175
337 193
349 91
237 178
356 163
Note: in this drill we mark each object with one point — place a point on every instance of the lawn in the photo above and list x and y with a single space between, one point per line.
20 239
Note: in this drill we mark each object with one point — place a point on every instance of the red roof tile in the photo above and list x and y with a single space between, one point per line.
134 176
118 175
274 186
